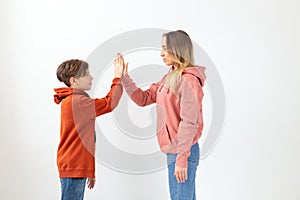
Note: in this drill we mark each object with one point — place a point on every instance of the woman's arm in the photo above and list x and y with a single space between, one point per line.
140 97
191 119
137 95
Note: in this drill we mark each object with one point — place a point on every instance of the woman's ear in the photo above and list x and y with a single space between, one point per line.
73 81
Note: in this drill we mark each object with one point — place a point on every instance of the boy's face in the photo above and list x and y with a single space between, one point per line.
84 82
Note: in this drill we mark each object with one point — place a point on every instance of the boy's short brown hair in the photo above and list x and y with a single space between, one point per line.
71 68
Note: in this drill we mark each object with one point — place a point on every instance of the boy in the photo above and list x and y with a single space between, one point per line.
75 154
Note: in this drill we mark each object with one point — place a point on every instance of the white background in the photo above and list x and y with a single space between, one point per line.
254 45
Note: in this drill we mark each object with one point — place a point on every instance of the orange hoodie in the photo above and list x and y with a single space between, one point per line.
75 154
179 113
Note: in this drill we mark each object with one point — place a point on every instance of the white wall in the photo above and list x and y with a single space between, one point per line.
254 45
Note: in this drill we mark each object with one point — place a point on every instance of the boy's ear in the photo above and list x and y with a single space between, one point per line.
72 81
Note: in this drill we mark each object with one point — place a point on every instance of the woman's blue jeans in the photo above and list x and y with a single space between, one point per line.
185 190
72 188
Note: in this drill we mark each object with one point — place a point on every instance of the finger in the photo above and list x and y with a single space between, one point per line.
88 183
91 184
116 60
185 174
120 57
122 61
94 182
181 176
125 70
178 176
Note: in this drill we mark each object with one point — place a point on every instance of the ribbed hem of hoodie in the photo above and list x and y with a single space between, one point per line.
76 173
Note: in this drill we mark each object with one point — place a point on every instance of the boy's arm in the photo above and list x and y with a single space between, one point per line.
140 97
111 100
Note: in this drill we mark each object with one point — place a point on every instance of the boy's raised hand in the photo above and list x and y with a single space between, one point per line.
119 66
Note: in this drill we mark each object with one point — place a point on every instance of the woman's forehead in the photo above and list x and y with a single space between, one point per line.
163 41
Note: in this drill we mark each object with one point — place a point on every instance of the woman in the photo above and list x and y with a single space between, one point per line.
179 111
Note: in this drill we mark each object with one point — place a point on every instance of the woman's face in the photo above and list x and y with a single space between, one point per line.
165 54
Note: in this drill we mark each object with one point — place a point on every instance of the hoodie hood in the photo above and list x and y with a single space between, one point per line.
62 93
197 71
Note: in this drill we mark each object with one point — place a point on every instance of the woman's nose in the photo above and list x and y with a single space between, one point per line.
162 53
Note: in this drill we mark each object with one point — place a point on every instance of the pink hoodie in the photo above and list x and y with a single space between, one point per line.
179 113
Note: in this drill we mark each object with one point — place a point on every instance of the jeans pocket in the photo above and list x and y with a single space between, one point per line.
195 154
194 161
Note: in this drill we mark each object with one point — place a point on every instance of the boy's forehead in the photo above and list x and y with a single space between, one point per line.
87 71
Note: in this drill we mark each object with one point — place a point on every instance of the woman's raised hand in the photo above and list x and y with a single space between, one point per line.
125 68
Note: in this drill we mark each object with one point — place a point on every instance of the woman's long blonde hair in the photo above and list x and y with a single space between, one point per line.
179 45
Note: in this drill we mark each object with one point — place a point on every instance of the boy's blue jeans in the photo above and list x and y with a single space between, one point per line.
185 190
72 188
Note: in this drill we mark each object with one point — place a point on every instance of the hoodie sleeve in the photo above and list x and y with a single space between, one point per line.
140 97
191 95
99 106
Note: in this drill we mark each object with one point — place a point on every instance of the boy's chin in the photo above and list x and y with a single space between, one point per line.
88 88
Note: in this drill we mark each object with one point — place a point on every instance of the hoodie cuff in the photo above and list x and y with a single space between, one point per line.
126 80
116 80
182 161
128 84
